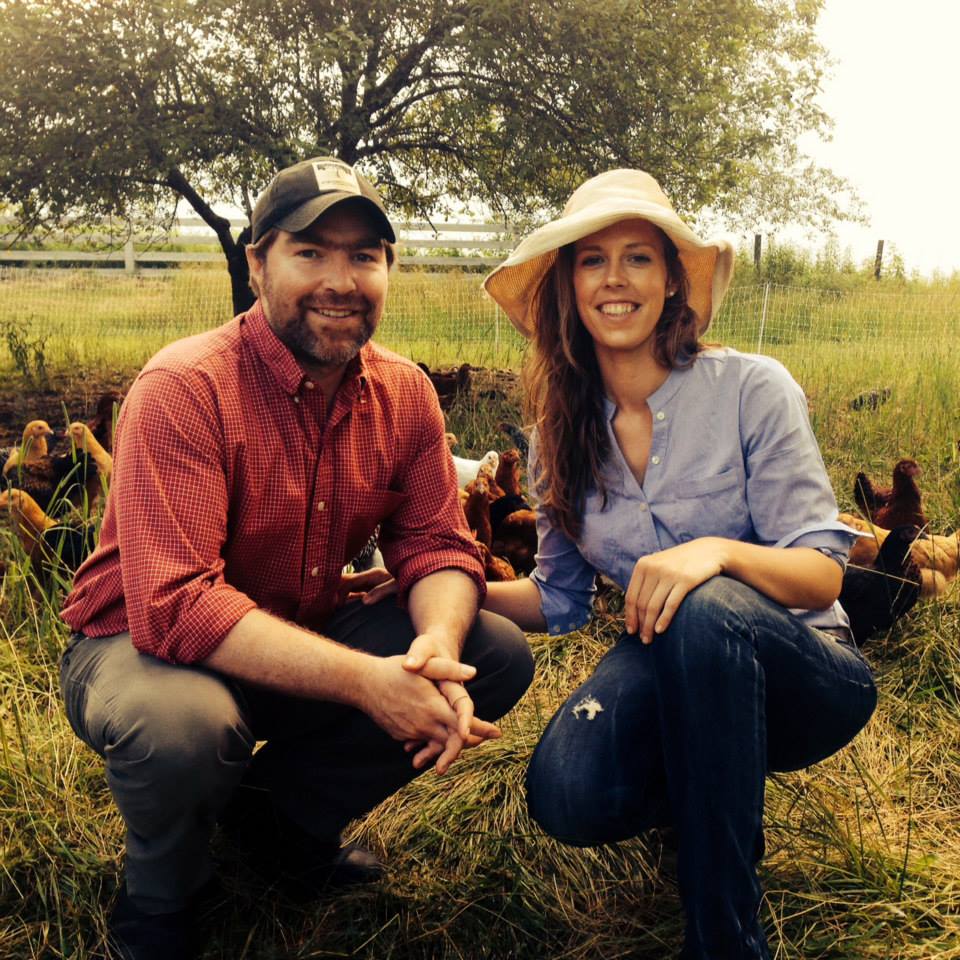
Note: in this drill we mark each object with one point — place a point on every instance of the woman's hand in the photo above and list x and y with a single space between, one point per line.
661 580
369 586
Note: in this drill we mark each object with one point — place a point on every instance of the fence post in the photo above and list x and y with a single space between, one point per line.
757 242
879 261
129 257
763 314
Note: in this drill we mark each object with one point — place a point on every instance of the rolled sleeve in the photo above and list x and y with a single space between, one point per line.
788 492
428 531
171 506
831 538
566 581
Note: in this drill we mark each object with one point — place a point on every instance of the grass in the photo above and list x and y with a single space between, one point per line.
863 850
96 319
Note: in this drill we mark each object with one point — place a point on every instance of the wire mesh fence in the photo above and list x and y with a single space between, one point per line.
105 318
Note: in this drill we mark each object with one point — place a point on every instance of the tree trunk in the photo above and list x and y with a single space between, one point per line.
233 250
243 298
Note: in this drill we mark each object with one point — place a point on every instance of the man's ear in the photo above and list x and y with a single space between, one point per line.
254 263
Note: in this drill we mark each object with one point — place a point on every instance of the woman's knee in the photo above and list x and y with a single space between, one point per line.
564 795
718 603
597 774
711 626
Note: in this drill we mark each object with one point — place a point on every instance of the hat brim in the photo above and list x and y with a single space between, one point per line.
708 263
301 217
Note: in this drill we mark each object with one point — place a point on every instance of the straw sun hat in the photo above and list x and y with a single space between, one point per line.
598 203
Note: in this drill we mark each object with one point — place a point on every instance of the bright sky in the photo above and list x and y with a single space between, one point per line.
894 95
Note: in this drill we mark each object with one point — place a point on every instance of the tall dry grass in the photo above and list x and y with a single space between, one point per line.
863 858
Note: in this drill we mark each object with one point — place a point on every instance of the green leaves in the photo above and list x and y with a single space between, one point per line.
507 103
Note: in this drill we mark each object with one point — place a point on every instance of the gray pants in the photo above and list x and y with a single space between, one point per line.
178 739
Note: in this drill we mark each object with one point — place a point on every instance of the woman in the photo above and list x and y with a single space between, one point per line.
690 476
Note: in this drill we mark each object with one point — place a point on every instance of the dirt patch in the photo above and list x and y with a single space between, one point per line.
60 402
75 398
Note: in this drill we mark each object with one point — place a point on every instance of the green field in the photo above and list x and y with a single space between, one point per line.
90 319
863 851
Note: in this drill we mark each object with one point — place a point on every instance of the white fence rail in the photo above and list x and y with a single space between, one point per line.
478 245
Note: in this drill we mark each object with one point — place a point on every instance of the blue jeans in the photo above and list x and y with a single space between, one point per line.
682 733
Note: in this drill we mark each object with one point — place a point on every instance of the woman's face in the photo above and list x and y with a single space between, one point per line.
620 283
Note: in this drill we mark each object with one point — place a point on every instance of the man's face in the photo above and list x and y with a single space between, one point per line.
323 290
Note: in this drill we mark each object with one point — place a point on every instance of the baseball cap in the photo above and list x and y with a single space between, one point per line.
297 195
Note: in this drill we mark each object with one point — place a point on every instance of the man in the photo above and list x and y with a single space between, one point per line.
251 463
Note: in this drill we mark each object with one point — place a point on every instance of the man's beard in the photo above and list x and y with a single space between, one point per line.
290 324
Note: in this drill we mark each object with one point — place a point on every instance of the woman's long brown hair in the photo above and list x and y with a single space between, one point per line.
564 390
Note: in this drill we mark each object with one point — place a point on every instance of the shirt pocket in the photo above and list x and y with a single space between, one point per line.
373 507
712 506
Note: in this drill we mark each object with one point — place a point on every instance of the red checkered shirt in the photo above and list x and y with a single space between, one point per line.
233 489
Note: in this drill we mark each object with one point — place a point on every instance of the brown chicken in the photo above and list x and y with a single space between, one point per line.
87 446
894 506
936 556
33 448
516 539
488 472
508 473
477 510
45 541
496 569
449 386
104 419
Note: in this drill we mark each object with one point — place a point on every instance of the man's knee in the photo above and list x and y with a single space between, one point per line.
498 648
155 721
203 724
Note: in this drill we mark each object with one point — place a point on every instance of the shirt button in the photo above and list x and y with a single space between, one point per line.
308 384
643 508
296 399
660 414
321 506
654 460
314 571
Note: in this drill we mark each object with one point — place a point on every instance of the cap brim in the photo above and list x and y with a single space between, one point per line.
301 218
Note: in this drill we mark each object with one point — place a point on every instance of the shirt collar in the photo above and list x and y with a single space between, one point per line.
282 364
660 397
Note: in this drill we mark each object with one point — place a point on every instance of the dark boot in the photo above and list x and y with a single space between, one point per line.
134 934
283 853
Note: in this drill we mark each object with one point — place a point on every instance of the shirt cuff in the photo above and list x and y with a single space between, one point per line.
831 538
198 630
563 612
416 568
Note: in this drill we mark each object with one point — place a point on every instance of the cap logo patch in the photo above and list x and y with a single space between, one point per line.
335 176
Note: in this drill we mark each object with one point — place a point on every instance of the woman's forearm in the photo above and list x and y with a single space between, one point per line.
519 601
793 576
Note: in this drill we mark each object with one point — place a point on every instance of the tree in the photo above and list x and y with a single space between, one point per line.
110 106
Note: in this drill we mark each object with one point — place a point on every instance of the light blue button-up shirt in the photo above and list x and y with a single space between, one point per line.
732 455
